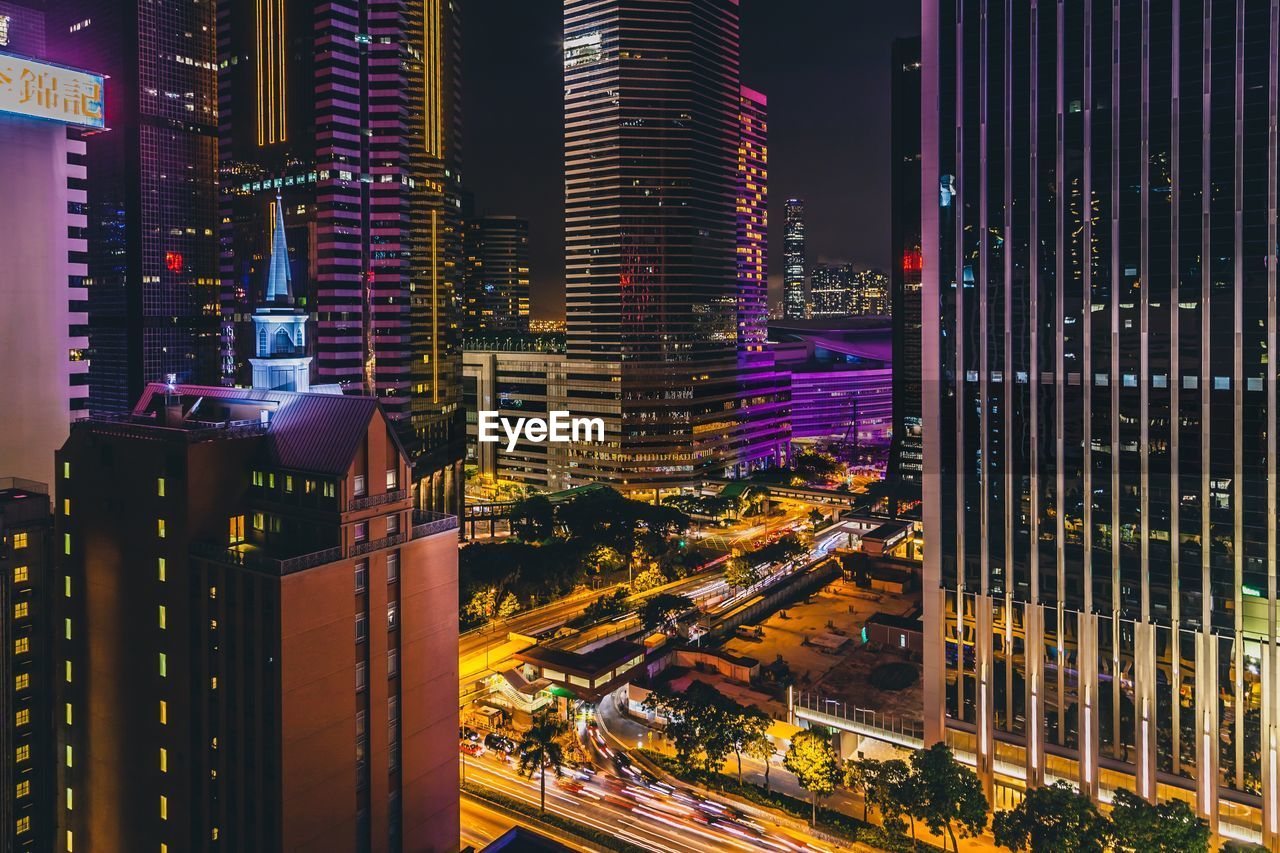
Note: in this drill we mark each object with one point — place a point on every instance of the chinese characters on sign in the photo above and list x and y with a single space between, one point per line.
40 90
4 29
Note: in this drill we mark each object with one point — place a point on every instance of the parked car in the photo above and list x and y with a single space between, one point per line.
493 740
471 748
465 733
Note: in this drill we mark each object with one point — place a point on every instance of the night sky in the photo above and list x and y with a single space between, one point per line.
824 65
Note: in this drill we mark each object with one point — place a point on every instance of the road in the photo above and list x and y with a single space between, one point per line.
482 823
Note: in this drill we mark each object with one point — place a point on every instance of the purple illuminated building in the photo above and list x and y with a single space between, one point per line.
348 113
753 219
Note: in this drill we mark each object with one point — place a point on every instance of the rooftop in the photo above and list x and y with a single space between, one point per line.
588 664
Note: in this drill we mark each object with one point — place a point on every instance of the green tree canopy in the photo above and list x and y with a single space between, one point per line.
540 750
1168 827
1053 817
950 794
533 519
815 764
658 612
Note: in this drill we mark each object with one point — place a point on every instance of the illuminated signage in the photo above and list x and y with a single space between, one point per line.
4 29
40 90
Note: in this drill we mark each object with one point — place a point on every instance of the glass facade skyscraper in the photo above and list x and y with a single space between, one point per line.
152 215
495 293
753 219
1099 229
794 301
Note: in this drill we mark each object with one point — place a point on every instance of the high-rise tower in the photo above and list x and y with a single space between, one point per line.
753 219
794 302
151 187
496 284
652 132
1100 398
348 112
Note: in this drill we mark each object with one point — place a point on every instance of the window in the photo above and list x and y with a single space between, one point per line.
160 527
258 479
66 506
271 480
23 826
66 544
393 479
393 567
70 756
164 665
288 482
68 713
19 541
70 807
362 628
66 624
22 753
20 610
162 618
274 524
235 528
21 646
22 718
19 574
66 586
66 470
362 675
360 488
393 524
68 668
164 760
393 663
308 487
392 613
362 531
21 681
164 712
328 490
23 789
160 486
362 575
164 807
160 565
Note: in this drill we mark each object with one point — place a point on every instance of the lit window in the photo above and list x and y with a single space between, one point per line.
162 614
288 482
20 610
66 506
22 753
214 834
160 566
22 717
359 487
70 846
19 574
271 480
23 789
21 681
21 646
235 531
328 490
24 825
164 760
66 544
66 624
213 683
68 713
70 763
160 527
362 531
164 712
257 478
160 486
66 470
19 541
309 486
68 668
164 807
164 665
66 586
213 593
393 479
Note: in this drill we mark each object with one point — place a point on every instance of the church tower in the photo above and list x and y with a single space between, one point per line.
279 328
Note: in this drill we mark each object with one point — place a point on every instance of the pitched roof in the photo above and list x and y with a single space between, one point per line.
318 433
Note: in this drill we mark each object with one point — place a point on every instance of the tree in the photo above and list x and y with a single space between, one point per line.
950 794
762 748
480 605
658 612
741 572
746 725
1052 817
1164 828
509 606
816 517
697 724
814 763
533 519
648 579
540 748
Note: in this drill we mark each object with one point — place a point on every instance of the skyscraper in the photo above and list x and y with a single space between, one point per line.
753 219
652 131
43 347
831 290
152 213
1098 224
906 465
794 301
357 135
495 294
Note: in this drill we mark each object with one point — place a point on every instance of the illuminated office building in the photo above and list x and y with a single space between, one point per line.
831 290
348 112
495 294
753 219
652 133
43 346
794 301
905 462
152 192
1098 223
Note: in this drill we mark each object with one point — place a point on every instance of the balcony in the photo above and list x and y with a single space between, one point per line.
377 544
430 523
253 557
368 501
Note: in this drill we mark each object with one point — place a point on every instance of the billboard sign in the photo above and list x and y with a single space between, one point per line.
40 90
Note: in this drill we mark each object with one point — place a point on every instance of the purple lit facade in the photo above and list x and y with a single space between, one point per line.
753 219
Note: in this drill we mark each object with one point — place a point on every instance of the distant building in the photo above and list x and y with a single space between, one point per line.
259 630
495 293
794 301
44 355
841 378
753 219
906 464
831 290
869 293
26 666
539 327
